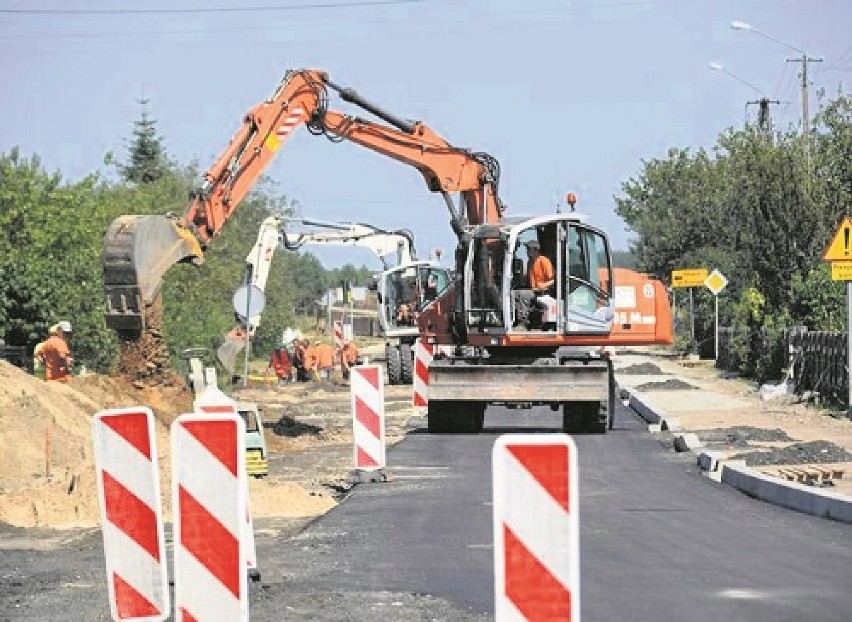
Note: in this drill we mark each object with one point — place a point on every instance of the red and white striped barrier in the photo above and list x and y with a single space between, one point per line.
128 483
536 528
368 416
423 353
338 334
210 510
214 401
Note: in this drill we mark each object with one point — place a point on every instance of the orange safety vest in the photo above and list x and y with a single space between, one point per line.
325 356
540 272
350 353
57 359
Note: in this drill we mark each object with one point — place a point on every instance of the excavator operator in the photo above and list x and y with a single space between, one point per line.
541 275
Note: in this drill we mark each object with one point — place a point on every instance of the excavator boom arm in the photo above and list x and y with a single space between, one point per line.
140 249
381 242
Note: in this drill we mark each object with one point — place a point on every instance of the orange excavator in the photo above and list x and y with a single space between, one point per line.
512 344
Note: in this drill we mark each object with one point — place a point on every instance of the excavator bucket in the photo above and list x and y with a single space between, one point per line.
227 352
138 250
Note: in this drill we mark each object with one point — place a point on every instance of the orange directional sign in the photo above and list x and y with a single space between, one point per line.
840 248
689 278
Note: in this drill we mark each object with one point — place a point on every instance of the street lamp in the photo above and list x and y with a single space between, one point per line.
805 59
720 67
763 102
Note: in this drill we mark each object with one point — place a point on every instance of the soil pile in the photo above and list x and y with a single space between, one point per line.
47 471
144 358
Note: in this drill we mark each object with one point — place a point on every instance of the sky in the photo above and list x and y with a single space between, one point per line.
569 95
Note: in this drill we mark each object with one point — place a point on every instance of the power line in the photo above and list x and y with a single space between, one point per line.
237 9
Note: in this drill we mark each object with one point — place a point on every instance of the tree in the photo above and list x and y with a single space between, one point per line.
759 207
147 158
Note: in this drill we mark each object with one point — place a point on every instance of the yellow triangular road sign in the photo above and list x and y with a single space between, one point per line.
840 248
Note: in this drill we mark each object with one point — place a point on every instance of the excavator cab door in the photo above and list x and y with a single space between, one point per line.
580 299
585 286
404 291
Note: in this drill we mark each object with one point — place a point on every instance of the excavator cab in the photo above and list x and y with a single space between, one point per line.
499 298
404 291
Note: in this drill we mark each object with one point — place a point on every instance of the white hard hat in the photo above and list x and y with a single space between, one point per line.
65 326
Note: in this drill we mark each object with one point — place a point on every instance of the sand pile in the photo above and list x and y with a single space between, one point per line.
47 473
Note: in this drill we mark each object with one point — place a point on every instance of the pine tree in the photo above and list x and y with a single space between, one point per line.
148 161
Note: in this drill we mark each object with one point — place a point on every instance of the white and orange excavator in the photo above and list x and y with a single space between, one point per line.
513 345
404 287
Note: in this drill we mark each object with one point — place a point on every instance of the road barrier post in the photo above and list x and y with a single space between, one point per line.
423 353
536 528
209 507
128 485
214 401
368 423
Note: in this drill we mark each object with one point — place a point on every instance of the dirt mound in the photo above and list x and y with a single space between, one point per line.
144 358
642 369
46 463
813 452
672 384
47 471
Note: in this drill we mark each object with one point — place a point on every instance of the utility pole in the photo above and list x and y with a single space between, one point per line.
805 59
763 121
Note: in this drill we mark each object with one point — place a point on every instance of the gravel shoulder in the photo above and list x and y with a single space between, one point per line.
730 416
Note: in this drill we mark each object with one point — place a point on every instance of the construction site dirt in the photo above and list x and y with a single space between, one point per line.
52 555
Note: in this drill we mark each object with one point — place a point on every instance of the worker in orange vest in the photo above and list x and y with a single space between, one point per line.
56 354
348 357
540 269
280 362
311 360
325 360
300 348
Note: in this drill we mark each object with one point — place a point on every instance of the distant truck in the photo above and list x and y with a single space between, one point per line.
198 378
257 456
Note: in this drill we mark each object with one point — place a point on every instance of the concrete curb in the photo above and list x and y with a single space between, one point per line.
735 473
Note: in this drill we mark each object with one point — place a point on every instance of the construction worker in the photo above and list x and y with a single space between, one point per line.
279 361
38 355
348 357
325 359
56 354
312 360
540 270
300 348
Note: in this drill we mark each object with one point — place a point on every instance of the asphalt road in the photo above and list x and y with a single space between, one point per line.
658 542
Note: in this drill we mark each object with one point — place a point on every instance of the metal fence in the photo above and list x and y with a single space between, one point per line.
816 362
16 355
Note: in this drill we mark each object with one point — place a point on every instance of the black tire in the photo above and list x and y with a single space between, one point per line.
611 400
455 417
394 365
406 359
573 419
599 417
437 417
477 417
581 417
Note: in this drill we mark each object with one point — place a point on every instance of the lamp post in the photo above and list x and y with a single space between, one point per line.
763 102
805 59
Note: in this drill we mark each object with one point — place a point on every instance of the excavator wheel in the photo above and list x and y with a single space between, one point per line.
585 417
406 359
394 364
455 417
